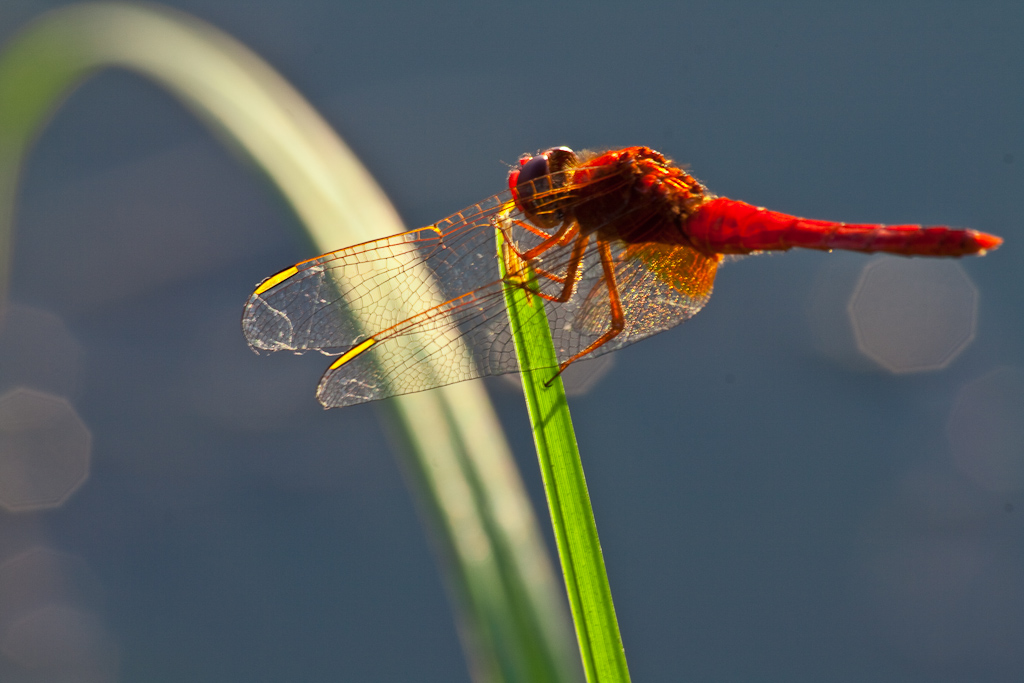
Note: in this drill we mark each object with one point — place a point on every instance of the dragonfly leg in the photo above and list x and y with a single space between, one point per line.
569 281
525 225
618 319
559 279
567 231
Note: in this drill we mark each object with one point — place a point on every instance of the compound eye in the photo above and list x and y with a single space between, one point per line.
547 162
532 169
550 165
536 184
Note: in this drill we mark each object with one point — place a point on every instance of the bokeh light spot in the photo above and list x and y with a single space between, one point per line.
913 315
62 642
44 450
38 351
50 627
941 577
986 430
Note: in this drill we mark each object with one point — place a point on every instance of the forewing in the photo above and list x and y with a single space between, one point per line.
333 302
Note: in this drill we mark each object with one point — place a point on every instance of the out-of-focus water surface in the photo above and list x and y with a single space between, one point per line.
819 477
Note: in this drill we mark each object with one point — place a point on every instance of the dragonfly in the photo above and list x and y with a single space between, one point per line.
619 245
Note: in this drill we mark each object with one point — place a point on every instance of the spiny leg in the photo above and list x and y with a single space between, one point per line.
561 234
618 319
569 281
567 232
525 225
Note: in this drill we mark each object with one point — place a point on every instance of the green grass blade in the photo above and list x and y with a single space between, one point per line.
586 581
504 591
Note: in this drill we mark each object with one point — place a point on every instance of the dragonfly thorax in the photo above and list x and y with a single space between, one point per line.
635 195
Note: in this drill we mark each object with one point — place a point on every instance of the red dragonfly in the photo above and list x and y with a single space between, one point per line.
620 245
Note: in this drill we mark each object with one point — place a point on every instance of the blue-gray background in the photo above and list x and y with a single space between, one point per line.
769 510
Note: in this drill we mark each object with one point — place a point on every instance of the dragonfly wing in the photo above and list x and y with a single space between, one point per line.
659 285
428 303
335 301
462 339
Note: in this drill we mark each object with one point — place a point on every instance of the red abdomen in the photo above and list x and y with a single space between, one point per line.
727 226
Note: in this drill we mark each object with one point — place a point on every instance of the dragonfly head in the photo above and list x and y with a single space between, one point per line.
538 185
